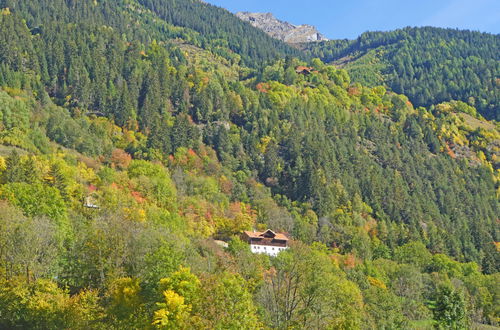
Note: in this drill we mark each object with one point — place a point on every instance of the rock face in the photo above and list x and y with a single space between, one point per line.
282 30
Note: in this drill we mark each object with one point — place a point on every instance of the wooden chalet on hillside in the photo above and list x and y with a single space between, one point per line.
304 70
267 242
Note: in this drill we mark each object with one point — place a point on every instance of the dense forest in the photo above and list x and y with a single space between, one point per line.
429 65
135 134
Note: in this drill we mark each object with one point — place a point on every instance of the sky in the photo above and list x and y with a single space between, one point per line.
339 19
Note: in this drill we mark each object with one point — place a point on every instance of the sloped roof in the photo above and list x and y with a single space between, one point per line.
302 68
262 234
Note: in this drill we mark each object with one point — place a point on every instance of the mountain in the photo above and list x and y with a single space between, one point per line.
281 30
429 65
136 135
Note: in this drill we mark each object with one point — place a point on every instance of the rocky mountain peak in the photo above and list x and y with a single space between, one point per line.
282 30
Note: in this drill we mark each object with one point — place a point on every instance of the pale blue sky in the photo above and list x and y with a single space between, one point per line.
339 19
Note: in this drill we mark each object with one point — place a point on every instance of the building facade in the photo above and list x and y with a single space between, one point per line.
267 242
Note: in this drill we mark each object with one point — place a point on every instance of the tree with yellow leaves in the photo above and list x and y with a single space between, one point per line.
179 291
174 313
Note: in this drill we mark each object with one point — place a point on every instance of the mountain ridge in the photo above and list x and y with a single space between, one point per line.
282 30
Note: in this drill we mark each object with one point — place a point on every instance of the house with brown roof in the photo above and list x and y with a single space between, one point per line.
267 242
304 70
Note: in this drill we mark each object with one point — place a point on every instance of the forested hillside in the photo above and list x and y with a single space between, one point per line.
190 20
429 65
133 134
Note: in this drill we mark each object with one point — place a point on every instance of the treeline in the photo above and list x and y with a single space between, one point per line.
429 65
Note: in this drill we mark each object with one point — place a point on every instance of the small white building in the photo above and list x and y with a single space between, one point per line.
90 203
267 242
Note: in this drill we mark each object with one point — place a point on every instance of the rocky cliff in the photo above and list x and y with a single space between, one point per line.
282 30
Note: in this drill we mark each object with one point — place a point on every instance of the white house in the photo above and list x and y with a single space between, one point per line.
267 242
